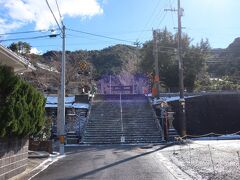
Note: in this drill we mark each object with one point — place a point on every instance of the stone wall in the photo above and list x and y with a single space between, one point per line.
218 113
13 157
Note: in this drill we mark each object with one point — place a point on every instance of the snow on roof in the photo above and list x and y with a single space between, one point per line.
50 105
169 99
70 99
67 105
52 102
54 99
81 105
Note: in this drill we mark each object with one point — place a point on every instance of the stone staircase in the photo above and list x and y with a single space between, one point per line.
172 134
137 125
72 138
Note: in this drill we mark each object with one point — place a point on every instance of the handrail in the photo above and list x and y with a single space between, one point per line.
121 111
121 119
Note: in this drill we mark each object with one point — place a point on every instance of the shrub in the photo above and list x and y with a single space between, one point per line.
22 110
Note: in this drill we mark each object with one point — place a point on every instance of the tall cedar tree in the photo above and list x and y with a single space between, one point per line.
22 109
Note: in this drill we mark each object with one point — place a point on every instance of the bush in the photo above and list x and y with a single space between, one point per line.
22 109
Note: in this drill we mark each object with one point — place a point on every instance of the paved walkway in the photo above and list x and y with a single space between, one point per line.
108 163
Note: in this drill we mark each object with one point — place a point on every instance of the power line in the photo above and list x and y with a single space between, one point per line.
161 20
59 12
26 38
102 36
53 15
150 18
126 32
26 32
171 6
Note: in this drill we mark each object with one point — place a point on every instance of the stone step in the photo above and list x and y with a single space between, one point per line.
104 124
72 136
102 130
104 133
119 136
129 130
118 139
119 142
116 123
72 140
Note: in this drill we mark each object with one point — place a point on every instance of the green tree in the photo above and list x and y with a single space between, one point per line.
193 59
20 47
23 112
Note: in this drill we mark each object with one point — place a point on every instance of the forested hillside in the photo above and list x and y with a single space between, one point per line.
227 61
83 68
204 68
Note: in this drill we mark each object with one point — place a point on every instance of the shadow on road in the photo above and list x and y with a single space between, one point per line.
92 172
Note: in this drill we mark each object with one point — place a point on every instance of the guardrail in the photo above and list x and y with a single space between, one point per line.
21 59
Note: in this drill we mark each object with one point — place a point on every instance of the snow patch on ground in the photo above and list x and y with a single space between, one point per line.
207 159
173 168
46 67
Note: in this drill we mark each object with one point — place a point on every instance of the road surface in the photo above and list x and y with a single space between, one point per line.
108 163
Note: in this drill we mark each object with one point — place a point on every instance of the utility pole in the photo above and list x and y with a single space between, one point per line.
181 79
61 95
182 113
156 85
61 99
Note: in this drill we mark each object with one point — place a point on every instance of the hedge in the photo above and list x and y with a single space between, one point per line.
22 107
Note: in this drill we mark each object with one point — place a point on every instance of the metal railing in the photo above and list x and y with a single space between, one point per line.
121 118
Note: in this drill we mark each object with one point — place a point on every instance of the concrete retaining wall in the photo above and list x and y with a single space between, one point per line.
13 157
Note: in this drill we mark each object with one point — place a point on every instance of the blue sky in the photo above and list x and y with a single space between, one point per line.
129 20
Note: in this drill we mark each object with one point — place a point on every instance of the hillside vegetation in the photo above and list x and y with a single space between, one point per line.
204 68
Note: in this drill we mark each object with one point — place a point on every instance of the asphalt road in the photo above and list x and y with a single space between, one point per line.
108 163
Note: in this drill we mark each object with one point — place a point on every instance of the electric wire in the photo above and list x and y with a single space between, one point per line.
162 19
102 36
150 18
160 15
59 12
171 6
27 38
54 16
26 32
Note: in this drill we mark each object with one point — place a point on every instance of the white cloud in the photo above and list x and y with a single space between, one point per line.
35 51
21 12
8 26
